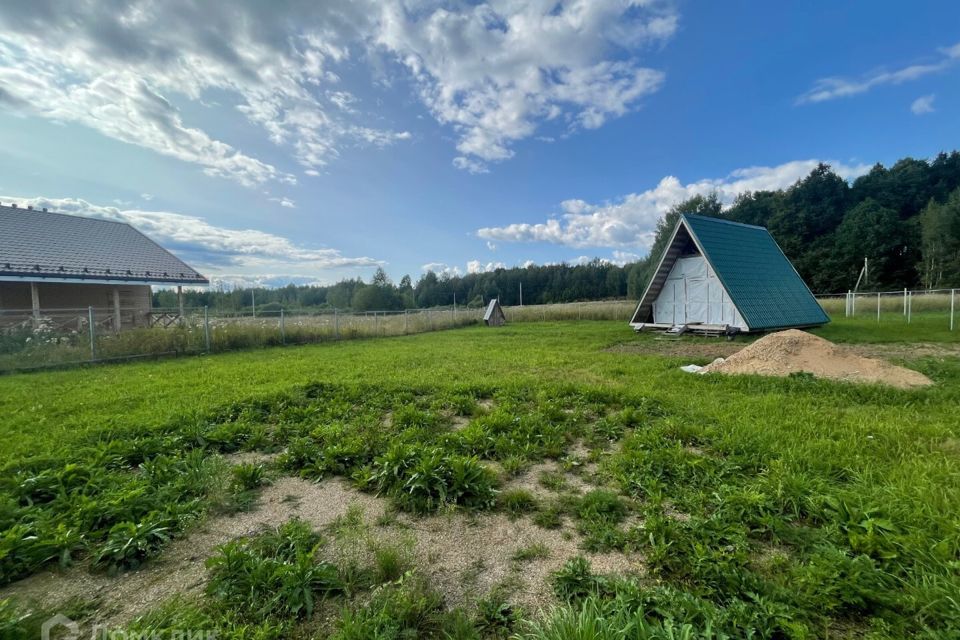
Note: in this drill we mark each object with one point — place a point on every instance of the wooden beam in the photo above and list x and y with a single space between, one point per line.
35 302
116 309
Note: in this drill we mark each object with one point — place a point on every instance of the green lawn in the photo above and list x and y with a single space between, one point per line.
856 488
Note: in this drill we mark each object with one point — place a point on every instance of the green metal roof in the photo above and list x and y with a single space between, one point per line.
759 278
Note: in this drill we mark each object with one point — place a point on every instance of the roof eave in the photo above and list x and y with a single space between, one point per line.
653 276
96 279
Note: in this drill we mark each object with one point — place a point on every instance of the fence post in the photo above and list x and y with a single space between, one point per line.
430 319
206 328
376 324
336 324
953 294
93 334
878 307
904 301
909 306
283 333
406 318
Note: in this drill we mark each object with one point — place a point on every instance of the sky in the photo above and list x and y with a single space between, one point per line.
307 142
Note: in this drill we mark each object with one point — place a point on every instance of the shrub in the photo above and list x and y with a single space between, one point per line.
422 479
517 502
549 517
495 617
553 480
128 544
594 619
405 609
390 563
247 476
600 506
12 622
534 551
575 580
275 574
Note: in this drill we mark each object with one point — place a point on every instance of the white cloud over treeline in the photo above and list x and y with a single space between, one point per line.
631 221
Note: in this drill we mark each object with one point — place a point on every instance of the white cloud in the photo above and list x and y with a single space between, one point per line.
211 249
475 266
496 71
470 165
491 246
493 71
116 69
146 196
631 221
441 268
284 202
922 105
621 258
836 87
229 281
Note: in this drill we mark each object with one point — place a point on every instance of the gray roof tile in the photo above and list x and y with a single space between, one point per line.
54 245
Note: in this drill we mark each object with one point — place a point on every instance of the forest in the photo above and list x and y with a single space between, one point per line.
905 220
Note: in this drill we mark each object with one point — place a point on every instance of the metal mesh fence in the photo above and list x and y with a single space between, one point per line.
934 307
67 336
57 337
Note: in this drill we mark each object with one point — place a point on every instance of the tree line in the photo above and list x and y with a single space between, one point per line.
905 220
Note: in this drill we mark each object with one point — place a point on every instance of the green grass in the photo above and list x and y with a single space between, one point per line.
855 486
928 326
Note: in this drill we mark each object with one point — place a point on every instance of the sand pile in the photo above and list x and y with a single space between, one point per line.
792 351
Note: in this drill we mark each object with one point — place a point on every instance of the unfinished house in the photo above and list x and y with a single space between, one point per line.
722 277
55 268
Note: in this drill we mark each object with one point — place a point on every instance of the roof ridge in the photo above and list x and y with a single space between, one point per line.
61 213
723 220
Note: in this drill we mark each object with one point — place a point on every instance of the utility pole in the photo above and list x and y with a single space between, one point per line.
521 295
253 302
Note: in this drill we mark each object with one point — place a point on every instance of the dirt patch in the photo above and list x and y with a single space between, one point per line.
708 349
250 457
907 351
180 569
464 555
467 558
529 480
672 512
794 351
705 348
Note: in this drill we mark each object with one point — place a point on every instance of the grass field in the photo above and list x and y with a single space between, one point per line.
664 505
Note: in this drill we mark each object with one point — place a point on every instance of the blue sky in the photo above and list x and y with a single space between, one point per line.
308 142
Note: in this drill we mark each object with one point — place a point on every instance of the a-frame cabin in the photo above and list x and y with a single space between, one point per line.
723 277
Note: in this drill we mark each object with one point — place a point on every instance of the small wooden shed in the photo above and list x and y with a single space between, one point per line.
494 317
